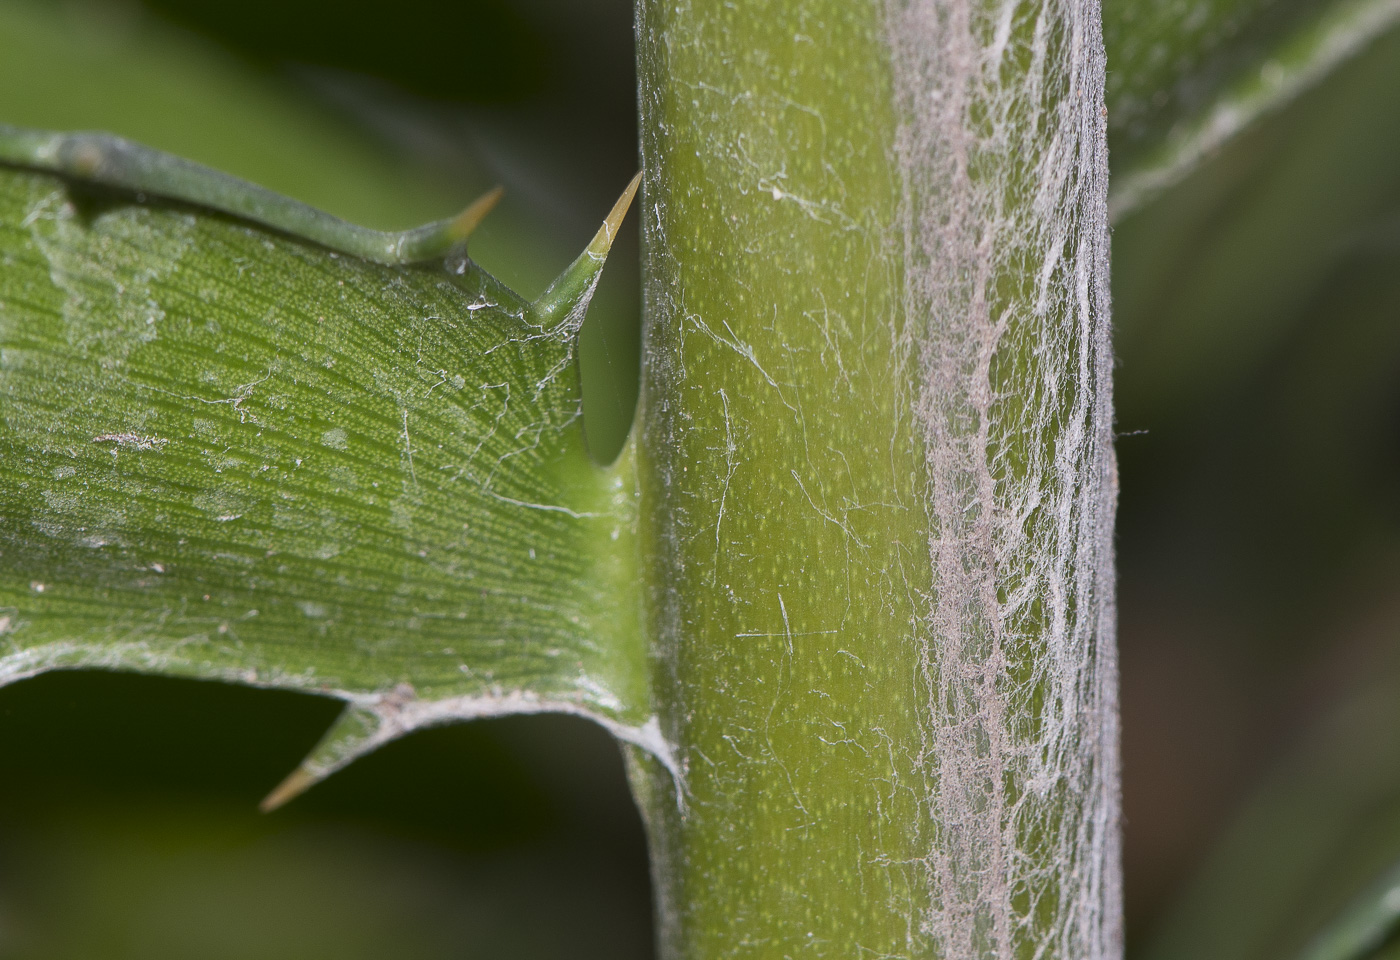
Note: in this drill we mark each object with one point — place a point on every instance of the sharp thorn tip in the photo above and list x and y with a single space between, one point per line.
602 241
469 219
296 783
624 203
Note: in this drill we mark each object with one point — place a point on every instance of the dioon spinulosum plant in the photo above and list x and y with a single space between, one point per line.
847 597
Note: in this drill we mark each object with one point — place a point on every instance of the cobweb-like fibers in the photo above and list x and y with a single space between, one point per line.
1002 151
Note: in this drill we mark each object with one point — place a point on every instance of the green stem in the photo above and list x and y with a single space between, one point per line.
876 479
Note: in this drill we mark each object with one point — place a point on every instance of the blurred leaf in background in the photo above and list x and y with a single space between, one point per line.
1257 324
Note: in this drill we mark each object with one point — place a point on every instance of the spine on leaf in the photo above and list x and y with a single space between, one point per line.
375 719
563 304
116 162
300 470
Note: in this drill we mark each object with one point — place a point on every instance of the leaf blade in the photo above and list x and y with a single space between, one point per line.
230 454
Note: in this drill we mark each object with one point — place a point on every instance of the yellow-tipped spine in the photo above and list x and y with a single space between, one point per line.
296 784
468 220
563 304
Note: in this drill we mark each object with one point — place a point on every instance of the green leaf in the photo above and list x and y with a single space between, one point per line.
1255 307
1210 280
1180 86
227 453
1365 925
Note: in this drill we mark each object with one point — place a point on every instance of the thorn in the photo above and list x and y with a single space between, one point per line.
603 239
567 298
296 783
351 735
469 219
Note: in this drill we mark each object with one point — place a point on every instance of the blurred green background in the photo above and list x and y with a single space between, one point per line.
1257 316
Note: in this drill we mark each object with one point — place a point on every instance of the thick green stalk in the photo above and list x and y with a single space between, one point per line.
877 492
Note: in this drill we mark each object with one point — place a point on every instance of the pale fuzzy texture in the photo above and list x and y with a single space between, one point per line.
1005 171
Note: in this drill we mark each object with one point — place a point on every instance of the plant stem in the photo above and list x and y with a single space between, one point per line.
876 476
